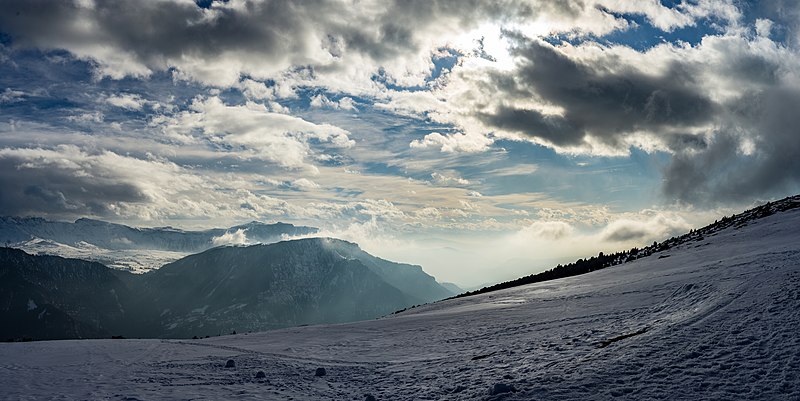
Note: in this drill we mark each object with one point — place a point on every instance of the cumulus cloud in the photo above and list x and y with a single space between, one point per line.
221 43
655 227
238 237
717 107
546 230
571 102
126 101
253 131
452 142
93 117
368 209
68 182
304 184
258 90
478 73
345 103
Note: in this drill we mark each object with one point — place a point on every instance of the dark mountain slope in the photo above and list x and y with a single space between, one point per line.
410 279
259 287
268 286
49 297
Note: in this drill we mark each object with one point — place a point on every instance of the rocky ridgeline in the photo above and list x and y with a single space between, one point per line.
15 231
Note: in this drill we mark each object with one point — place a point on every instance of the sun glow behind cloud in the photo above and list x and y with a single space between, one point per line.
486 46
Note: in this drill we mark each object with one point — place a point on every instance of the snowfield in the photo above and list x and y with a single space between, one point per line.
132 260
712 319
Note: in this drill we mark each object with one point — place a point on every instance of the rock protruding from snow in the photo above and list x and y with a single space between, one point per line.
320 372
230 364
501 388
370 397
261 375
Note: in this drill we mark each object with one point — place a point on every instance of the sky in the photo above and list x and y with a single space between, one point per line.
481 139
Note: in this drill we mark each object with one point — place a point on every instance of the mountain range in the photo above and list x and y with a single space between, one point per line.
220 290
242 288
131 248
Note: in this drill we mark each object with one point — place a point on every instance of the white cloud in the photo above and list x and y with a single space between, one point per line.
10 96
546 230
250 37
443 179
304 184
453 142
238 237
322 101
428 213
764 27
660 16
650 226
257 90
253 131
126 101
68 181
521 103
366 209
92 117
413 104
347 103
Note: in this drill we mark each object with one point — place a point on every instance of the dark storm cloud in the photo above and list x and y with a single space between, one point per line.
596 102
154 30
627 233
724 172
736 150
555 129
46 189
657 227
249 35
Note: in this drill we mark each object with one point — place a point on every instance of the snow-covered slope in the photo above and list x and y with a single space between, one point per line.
715 318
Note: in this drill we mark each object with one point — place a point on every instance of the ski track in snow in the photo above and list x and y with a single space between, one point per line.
719 319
